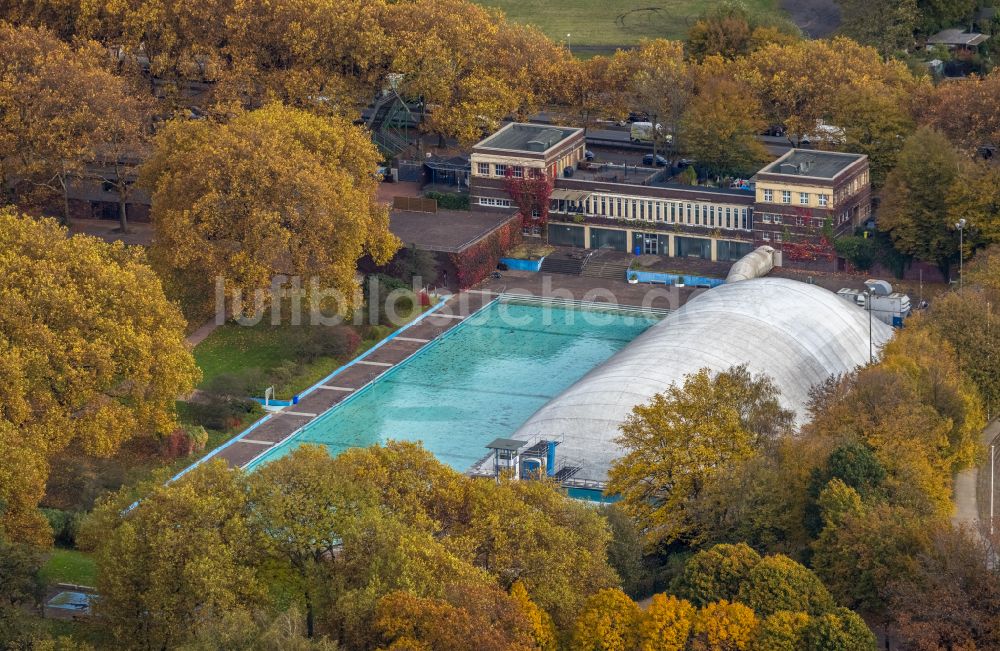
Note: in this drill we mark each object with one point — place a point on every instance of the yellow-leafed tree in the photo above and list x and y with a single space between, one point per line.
609 622
723 626
666 624
91 353
273 191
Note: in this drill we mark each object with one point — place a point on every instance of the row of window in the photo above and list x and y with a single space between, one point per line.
804 198
650 210
815 222
490 201
500 170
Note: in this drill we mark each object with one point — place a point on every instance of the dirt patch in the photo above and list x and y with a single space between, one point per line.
817 18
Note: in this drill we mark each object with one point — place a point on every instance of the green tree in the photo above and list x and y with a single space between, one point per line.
860 553
859 251
779 583
684 439
886 26
75 375
272 191
781 631
609 622
841 630
183 554
970 322
304 507
856 465
914 209
625 553
715 574
20 590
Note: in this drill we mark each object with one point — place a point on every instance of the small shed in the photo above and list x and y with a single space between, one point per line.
957 39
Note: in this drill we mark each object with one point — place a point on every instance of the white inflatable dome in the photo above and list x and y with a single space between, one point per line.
798 334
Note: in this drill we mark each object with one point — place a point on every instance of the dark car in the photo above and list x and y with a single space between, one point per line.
589 155
657 160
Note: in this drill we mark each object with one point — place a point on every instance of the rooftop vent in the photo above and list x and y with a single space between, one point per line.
544 140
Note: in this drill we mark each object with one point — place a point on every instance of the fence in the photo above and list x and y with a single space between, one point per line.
414 204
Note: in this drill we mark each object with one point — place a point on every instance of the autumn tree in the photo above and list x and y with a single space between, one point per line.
272 191
730 30
914 209
952 597
184 553
609 622
438 46
74 374
59 107
661 84
966 113
975 197
720 127
468 617
684 439
666 624
800 84
594 88
724 626
716 573
541 629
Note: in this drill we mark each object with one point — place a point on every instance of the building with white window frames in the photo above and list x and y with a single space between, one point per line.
632 208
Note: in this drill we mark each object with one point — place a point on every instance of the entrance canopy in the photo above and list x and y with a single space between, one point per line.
576 196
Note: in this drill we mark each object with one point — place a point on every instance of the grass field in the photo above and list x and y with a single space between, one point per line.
599 26
69 566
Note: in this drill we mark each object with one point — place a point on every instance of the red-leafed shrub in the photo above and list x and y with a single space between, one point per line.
184 441
530 194
477 261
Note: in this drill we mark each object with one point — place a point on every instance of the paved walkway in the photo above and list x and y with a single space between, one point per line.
278 426
967 507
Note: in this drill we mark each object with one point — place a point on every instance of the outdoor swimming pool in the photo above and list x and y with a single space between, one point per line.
479 381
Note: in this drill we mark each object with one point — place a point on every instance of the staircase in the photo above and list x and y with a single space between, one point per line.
607 269
554 264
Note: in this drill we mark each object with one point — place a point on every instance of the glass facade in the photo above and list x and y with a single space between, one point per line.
693 247
727 250
564 235
605 238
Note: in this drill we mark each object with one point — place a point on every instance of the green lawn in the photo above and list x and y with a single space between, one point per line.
599 26
69 566
233 348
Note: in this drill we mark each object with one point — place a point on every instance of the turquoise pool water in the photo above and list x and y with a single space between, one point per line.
480 381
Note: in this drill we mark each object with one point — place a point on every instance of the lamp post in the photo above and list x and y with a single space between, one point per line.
871 341
960 225
569 42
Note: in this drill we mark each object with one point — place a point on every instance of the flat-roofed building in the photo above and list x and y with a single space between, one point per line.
798 198
805 190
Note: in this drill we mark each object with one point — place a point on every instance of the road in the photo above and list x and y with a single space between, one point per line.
966 497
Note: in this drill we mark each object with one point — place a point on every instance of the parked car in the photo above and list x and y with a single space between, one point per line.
589 155
657 160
